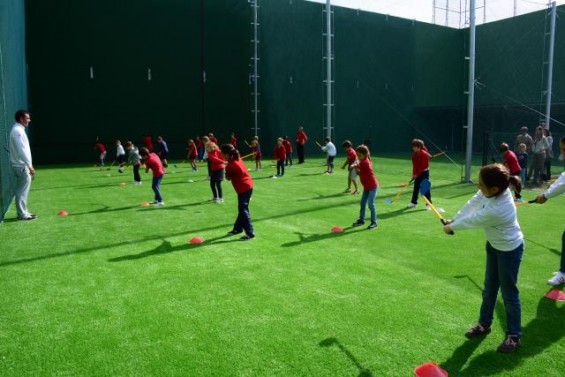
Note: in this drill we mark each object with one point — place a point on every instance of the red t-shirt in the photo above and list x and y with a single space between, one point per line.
192 152
216 160
214 140
236 172
301 137
100 147
420 162
280 153
153 162
287 146
511 162
351 156
148 143
366 175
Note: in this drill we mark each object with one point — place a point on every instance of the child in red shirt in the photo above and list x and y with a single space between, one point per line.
280 156
350 163
370 186
420 170
237 173
256 148
102 150
288 148
153 163
216 171
192 154
513 166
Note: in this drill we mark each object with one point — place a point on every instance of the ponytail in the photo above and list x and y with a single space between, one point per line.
230 150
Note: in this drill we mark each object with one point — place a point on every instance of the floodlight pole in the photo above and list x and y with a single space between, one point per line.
470 93
549 85
329 58
255 67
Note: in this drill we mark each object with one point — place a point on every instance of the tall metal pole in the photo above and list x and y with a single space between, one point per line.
255 68
549 85
329 58
471 93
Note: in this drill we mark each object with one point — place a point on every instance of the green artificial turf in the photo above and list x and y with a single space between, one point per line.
116 289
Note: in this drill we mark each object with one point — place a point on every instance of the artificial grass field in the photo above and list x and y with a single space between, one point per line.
116 289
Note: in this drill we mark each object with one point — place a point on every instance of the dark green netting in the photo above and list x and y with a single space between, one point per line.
13 87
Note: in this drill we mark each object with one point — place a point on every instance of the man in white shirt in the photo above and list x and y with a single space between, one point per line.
557 188
20 160
330 149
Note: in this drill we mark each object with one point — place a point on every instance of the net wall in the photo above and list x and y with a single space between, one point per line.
13 91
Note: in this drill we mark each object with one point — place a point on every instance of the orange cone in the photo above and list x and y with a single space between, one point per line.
196 239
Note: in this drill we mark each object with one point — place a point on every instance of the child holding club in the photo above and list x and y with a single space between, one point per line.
134 159
420 170
153 163
237 173
512 164
370 186
102 150
216 163
192 154
280 156
256 149
492 209
350 163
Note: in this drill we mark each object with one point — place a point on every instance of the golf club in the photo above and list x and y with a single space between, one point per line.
425 186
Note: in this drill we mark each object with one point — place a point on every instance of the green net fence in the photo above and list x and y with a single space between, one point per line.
13 87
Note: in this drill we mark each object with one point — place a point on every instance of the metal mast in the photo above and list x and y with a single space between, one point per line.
329 60
470 93
255 65
550 65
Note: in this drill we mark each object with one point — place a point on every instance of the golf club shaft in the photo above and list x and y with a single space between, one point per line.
436 212
248 155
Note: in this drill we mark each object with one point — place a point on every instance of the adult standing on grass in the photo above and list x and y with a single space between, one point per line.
524 138
153 163
20 160
301 139
492 208
539 148
163 150
237 173
557 188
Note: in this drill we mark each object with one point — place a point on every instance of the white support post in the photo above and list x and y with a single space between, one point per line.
549 85
471 93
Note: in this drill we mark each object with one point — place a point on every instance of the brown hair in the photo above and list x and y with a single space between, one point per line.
363 149
230 150
496 175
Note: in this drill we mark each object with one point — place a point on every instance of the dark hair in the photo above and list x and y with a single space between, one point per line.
129 144
346 144
562 140
230 150
327 139
143 151
363 149
496 175
417 143
20 114
504 147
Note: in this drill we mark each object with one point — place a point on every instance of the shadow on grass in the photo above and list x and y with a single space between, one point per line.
318 237
166 247
546 329
554 251
106 209
328 342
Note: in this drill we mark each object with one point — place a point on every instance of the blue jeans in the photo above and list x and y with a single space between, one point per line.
502 272
156 186
368 199
243 221
425 175
562 268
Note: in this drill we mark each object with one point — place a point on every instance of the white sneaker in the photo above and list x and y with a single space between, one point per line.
159 204
428 208
557 279
219 200
411 205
